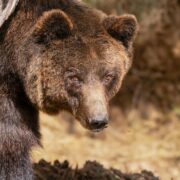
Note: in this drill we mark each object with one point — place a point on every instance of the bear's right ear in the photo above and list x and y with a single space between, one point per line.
52 25
123 28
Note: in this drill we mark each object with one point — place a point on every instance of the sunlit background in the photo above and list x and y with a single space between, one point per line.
145 116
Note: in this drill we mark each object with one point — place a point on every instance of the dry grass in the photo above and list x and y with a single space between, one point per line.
130 144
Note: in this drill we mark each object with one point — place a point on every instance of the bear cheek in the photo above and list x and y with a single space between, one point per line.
50 92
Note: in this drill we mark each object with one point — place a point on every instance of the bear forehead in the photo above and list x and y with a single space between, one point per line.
91 51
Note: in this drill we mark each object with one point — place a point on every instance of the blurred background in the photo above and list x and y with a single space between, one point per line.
144 132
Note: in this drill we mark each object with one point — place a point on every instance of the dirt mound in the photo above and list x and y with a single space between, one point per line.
90 171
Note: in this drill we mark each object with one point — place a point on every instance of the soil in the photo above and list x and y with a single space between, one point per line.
90 171
130 144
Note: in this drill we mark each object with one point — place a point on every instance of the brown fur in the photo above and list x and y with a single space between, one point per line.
55 55
49 23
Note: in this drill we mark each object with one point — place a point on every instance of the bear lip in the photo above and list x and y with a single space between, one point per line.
99 130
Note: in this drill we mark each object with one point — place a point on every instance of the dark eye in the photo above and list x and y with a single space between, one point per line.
74 79
109 78
73 84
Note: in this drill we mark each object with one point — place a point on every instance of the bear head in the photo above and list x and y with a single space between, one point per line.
78 63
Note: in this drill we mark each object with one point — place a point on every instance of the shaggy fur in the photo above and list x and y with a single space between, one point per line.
55 55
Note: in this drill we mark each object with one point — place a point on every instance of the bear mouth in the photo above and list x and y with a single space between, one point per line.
98 130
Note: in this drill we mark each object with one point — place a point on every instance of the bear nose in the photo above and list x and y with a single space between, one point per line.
99 123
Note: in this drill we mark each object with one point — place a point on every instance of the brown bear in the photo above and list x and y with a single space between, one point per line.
57 55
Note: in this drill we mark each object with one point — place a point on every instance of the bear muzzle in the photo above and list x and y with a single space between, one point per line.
95 108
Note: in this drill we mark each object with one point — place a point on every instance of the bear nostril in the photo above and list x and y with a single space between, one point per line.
98 124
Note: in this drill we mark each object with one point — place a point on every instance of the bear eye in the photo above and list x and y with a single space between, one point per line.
108 78
73 84
74 79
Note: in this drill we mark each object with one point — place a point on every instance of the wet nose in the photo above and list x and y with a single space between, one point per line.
99 123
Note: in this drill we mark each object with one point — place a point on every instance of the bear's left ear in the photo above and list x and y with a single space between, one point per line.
123 28
52 25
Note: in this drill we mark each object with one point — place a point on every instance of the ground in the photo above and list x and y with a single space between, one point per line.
130 143
90 171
